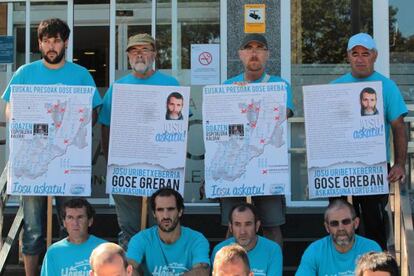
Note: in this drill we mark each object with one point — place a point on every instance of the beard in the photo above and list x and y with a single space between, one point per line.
58 58
344 239
171 227
254 64
140 67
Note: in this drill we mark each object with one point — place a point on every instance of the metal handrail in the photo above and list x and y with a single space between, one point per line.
404 232
16 226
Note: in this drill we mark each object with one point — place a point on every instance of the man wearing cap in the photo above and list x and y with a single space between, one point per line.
141 53
254 54
362 54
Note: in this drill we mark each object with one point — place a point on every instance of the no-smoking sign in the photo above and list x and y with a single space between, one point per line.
205 64
205 58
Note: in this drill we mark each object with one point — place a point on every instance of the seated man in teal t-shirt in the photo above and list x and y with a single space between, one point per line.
265 256
169 248
70 256
337 253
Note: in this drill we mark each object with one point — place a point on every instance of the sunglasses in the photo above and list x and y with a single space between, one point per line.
335 223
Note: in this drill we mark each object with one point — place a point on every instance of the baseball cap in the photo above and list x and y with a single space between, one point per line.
253 37
361 39
140 39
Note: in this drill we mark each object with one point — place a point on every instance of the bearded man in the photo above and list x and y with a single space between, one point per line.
52 69
338 253
169 248
141 51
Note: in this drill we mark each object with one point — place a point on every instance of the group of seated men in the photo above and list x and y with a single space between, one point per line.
168 248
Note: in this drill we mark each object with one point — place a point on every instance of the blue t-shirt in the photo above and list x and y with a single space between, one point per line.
66 258
394 105
158 258
157 78
322 258
37 73
240 78
265 258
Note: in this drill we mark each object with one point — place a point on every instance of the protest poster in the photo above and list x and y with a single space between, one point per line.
50 140
148 139
245 137
345 139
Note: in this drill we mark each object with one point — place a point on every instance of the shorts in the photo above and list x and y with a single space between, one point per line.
271 209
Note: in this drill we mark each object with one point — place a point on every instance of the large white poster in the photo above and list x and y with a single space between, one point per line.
245 136
50 140
345 139
148 139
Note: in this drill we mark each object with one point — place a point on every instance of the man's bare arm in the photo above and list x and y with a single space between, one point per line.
105 130
201 269
7 112
399 132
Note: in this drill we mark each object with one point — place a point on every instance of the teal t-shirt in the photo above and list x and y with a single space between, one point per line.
240 78
37 73
393 101
265 258
322 258
66 258
157 78
159 258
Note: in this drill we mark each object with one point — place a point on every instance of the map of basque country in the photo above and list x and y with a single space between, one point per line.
69 128
232 157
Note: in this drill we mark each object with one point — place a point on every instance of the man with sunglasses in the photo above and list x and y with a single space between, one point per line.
141 51
337 253
254 54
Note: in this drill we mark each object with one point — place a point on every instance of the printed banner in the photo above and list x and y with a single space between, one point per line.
245 136
345 139
50 140
148 139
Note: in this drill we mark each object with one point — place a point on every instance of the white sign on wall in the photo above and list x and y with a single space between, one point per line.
205 64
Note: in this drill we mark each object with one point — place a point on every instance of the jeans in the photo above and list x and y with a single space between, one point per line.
34 213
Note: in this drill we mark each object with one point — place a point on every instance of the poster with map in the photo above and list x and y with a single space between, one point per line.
50 140
245 137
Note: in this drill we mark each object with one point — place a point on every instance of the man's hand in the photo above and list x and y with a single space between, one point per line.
399 132
397 172
201 269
